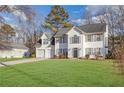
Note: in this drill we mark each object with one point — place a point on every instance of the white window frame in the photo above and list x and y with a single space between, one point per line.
98 37
89 38
89 51
75 39
97 51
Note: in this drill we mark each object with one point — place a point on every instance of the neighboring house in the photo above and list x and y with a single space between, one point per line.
75 42
10 45
12 50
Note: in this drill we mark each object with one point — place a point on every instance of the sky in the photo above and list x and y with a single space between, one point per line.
75 12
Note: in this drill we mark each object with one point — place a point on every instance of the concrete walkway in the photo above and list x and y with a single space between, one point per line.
20 61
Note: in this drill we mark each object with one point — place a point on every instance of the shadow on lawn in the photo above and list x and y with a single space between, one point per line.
38 80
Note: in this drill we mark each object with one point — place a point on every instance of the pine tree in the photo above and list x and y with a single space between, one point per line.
57 18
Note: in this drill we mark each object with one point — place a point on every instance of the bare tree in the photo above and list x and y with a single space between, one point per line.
119 40
31 31
114 18
88 17
21 13
28 28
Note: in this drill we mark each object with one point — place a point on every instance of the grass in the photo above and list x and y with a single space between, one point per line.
54 73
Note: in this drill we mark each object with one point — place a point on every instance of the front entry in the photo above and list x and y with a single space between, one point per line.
75 52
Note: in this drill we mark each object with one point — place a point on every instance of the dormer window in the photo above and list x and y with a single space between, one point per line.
45 41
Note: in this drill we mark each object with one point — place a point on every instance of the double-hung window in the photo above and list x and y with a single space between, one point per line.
63 51
89 38
98 37
75 39
89 51
63 39
97 51
45 41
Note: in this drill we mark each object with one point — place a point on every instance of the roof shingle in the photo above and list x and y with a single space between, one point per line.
62 32
10 46
89 28
92 28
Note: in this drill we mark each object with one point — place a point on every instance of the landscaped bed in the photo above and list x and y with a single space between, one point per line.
61 72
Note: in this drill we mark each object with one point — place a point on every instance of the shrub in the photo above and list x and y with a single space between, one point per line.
55 56
109 55
87 56
99 57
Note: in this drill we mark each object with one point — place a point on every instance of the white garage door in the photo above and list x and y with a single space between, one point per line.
42 53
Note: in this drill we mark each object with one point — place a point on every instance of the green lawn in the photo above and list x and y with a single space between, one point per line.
54 73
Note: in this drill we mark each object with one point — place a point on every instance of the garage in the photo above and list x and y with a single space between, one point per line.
43 53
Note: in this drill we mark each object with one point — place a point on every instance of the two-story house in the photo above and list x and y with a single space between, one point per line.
75 42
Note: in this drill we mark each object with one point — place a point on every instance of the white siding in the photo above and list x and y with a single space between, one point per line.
106 40
70 34
97 44
45 51
44 37
15 53
59 45
69 46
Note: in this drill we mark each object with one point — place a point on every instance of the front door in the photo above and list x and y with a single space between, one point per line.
75 52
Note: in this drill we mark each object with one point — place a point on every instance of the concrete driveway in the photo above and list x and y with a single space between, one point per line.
20 61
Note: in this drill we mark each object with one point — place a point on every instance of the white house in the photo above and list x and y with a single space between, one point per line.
75 42
10 45
12 50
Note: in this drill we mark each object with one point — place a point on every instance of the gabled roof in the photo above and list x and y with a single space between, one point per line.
48 34
50 37
18 46
62 32
10 46
89 28
92 28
